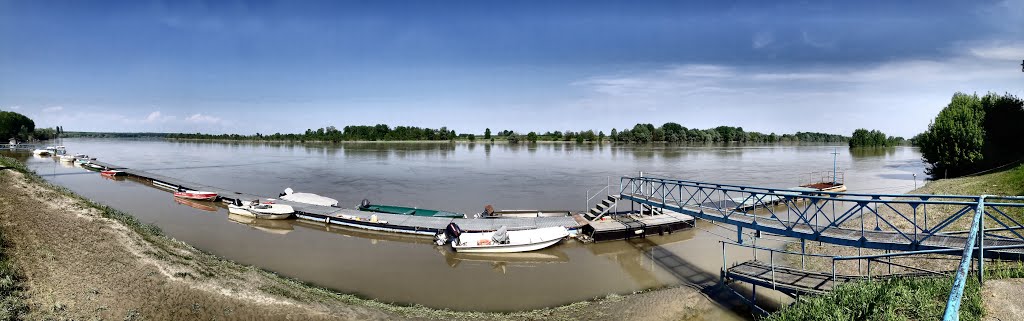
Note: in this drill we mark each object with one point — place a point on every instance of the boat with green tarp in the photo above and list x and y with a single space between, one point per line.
402 210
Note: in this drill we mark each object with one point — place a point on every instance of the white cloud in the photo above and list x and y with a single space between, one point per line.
15 107
762 39
53 109
157 117
897 97
1011 52
204 119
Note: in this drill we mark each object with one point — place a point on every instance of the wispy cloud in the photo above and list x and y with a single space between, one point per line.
898 97
203 119
53 109
1009 52
157 117
762 39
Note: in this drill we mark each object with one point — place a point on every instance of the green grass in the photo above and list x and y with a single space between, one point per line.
892 299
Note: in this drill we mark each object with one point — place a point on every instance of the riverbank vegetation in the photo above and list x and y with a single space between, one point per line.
21 128
873 138
639 133
888 299
973 134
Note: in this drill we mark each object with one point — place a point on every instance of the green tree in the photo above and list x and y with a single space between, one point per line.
600 136
513 138
531 137
15 125
472 137
487 133
614 136
954 140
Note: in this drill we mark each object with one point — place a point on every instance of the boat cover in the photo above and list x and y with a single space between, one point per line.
310 198
501 235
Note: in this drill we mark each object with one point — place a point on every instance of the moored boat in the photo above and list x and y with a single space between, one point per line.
67 158
92 167
502 240
402 210
41 152
112 172
308 198
196 195
261 211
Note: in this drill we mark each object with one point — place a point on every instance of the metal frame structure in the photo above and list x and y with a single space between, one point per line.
850 219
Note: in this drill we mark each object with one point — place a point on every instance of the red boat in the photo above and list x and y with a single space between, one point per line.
112 173
197 195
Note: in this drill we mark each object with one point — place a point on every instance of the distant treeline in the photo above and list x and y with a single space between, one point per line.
874 138
113 135
349 133
640 133
974 134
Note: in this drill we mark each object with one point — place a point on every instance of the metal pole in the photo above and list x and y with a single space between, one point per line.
803 253
835 154
981 249
771 259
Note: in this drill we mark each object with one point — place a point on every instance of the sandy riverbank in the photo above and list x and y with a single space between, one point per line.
81 260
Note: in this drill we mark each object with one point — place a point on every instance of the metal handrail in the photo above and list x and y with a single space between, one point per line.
952 312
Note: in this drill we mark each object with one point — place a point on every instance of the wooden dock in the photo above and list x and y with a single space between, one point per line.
626 226
397 223
795 281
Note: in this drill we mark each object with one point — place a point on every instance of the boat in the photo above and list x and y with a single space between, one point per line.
489 212
112 172
308 198
402 210
196 205
502 240
41 152
92 167
67 158
196 195
260 210
82 160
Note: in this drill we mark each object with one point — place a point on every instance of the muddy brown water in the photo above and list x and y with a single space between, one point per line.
462 178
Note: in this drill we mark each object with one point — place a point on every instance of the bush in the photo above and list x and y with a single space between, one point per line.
972 134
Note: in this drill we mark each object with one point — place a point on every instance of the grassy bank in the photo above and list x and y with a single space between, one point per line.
12 301
66 245
892 299
909 298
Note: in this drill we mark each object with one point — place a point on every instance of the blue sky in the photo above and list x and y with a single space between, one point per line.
246 67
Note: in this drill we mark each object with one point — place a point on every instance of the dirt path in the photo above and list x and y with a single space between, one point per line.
1002 299
80 265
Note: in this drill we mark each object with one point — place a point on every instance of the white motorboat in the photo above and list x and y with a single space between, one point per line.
261 210
502 241
41 152
67 158
308 198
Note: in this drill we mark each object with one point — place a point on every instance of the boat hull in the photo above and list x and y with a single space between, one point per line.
401 210
279 214
519 241
199 196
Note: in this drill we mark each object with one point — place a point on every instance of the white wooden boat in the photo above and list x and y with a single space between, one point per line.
308 198
492 242
262 211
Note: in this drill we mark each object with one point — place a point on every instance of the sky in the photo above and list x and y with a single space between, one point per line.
285 66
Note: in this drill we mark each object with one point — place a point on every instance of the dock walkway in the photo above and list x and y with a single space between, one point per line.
410 224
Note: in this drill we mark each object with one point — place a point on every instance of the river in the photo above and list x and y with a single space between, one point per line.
459 177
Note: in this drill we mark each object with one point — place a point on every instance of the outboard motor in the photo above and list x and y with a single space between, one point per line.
451 234
364 203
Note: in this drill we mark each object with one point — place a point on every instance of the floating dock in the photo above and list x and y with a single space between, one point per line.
627 226
397 223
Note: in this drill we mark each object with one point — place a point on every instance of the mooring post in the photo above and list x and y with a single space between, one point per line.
803 253
739 234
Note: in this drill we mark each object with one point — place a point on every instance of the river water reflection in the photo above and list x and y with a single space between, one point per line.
456 177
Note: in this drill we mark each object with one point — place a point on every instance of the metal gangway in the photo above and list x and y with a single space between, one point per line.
971 226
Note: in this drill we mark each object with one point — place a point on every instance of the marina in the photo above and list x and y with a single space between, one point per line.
652 261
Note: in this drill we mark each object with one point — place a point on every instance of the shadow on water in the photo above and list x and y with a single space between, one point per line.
697 278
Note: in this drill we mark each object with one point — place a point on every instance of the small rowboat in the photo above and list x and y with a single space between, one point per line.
261 210
402 210
502 241
92 167
111 172
197 195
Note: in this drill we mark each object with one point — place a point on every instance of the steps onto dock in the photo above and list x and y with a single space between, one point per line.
601 208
